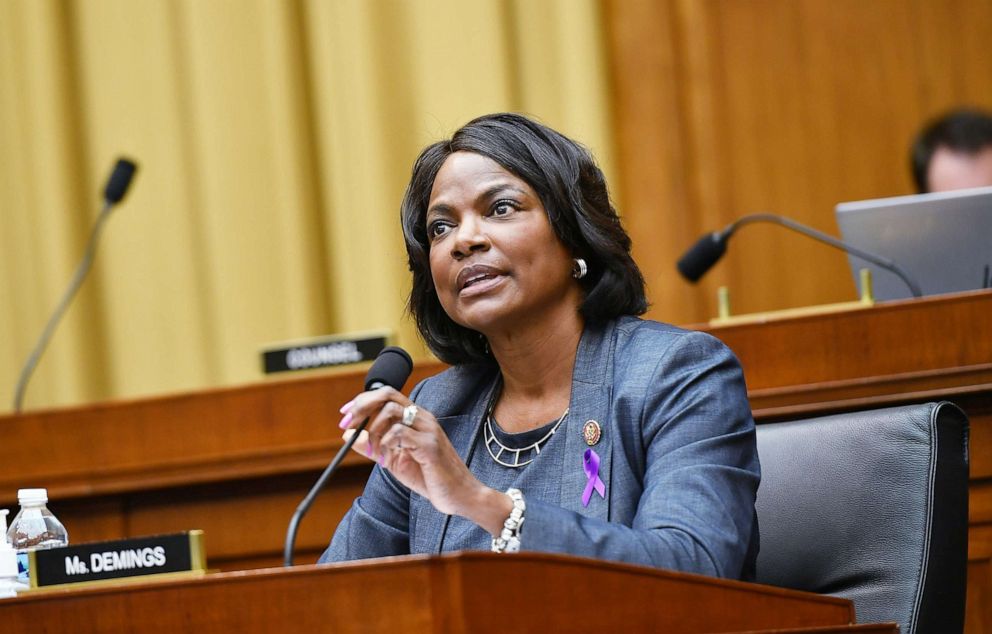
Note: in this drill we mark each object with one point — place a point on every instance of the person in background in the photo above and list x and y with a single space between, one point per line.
953 151
566 423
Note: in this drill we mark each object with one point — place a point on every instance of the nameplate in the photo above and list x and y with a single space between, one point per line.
118 559
323 352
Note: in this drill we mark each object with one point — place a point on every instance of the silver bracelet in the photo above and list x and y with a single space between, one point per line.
509 538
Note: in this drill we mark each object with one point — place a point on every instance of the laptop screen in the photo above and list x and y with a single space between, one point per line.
942 240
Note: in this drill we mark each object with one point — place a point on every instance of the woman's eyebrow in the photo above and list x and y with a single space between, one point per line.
499 188
438 209
444 209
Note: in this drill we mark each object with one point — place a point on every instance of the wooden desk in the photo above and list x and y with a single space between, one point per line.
235 462
463 592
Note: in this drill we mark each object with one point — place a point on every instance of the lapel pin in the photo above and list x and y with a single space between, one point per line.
591 432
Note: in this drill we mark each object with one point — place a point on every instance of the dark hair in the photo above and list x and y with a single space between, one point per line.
573 191
967 131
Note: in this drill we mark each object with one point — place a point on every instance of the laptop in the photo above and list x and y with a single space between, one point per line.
942 240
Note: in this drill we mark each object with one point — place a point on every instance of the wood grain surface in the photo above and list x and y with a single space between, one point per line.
448 593
785 106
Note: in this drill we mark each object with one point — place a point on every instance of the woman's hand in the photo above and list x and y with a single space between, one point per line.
421 457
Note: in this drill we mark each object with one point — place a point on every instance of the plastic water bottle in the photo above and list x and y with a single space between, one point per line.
34 528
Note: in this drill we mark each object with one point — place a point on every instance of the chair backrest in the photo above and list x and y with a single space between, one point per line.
873 507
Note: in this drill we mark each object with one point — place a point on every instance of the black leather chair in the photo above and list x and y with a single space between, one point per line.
873 507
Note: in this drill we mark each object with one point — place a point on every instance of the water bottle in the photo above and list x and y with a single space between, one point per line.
34 528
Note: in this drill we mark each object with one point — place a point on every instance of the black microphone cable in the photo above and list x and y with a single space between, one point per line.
392 367
117 185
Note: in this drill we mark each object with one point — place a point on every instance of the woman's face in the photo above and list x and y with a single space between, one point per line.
494 257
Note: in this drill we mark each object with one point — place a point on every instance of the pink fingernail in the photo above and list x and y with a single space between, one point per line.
344 421
347 406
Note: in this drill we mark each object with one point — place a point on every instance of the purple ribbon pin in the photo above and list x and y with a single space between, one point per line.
590 463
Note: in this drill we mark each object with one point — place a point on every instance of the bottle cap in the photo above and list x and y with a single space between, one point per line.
32 496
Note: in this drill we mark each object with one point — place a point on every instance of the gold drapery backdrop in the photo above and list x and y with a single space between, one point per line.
274 139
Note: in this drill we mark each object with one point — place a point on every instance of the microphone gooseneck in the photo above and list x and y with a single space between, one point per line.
391 368
701 257
114 192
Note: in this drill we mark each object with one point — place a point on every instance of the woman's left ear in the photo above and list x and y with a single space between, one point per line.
579 268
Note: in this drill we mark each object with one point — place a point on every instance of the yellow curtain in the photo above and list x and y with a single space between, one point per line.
274 139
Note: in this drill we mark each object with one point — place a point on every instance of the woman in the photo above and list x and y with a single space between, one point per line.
566 424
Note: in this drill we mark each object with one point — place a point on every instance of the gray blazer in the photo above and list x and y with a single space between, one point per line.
678 458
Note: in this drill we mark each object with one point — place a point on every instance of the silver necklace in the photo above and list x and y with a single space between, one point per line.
496 449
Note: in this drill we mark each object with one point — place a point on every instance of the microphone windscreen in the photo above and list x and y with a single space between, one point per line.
392 367
119 181
702 256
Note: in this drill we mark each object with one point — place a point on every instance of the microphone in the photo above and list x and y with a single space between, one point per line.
113 193
392 367
701 257
119 181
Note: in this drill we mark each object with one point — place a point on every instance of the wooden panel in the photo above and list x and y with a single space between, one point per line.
452 593
234 462
787 106
211 436
894 342
951 54
248 519
978 606
244 520
980 541
980 501
91 519
981 441
655 194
